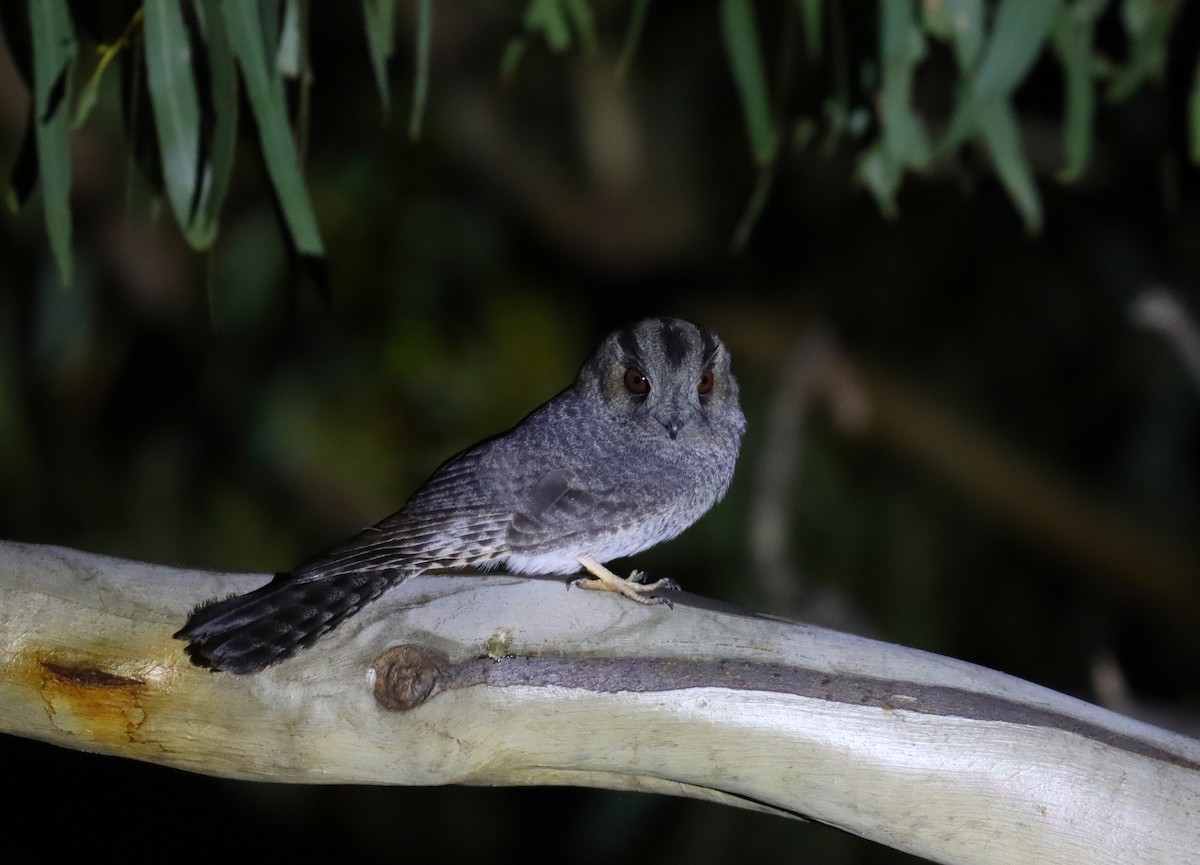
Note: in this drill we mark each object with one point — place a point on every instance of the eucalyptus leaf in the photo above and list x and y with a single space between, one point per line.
903 143
633 36
1194 115
959 22
580 15
1149 24
223 92
745 60
983 109
289 54
902 47
421 76
1073 36
1019 32
54 55
998 124
514 50
812 15
176 117
269 18
246 29
879 175
379 16
548 18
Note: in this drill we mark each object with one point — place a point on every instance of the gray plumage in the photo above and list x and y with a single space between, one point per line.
635 451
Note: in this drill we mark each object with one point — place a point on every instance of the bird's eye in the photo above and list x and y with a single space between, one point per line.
706 382
635 382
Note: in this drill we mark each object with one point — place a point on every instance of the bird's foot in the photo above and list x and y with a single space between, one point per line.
633 587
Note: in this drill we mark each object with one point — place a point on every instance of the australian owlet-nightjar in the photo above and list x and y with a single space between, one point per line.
637 449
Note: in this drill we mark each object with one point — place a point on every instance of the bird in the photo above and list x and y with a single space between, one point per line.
639 447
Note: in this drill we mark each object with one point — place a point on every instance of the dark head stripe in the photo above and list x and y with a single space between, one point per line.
708 345
627 339
674 342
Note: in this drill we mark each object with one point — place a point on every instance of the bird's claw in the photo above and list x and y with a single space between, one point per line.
633 587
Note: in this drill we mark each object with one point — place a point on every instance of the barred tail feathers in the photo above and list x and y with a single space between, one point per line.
248 633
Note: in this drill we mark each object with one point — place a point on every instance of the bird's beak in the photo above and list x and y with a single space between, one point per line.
673 423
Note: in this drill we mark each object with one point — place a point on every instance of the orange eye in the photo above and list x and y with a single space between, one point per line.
635 382
706 382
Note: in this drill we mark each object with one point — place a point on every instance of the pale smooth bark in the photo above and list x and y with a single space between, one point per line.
508 680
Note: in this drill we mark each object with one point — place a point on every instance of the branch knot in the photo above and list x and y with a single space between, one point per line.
406 676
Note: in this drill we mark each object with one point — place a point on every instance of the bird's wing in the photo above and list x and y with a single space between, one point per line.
565 505
451 521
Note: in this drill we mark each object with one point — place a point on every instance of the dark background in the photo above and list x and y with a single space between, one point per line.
211 411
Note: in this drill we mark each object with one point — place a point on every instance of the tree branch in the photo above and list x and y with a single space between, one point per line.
506 680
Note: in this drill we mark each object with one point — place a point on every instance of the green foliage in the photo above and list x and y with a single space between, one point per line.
249 37
746 63
633 36
903 144
1149 25
54 52
1194 110
380 18
985 110
559 22
995 47
177 119
421 77
1073 35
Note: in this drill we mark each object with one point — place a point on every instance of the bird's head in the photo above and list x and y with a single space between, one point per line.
667 378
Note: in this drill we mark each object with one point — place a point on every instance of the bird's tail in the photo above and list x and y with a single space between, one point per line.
247 633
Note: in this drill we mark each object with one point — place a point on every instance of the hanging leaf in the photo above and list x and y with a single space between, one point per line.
379 16
580 15
421 77
959 22
290 55
269 18
880 178
1019 31
177 117
903 144
264 87
811 13
1072 37
291 58
138 116
552 20
54 53
17 38
746 62
902 48
1194 114
223 95
548 18
1001 133
514 50
1149 24
633 36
